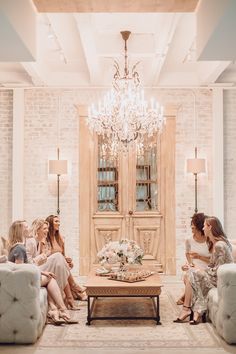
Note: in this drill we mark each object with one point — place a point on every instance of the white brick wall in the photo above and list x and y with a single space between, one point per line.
6 114
41 112
230 162
41 140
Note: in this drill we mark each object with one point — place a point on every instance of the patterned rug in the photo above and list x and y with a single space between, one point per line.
132 334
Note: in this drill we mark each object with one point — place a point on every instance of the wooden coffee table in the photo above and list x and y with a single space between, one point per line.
101 286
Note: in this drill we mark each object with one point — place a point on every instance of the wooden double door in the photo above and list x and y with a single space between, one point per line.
130 196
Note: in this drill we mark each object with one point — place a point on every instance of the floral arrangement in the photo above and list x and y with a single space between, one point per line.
123 251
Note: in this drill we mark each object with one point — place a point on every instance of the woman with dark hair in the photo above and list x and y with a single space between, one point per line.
56 244
196 249
197 252
198 282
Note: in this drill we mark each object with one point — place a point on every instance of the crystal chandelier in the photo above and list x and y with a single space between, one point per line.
124 116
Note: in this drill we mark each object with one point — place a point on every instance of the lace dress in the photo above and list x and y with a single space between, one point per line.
204 280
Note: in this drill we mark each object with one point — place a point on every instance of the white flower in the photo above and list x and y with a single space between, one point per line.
121 251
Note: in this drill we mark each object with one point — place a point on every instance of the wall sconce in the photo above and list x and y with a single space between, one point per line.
58 167
196 166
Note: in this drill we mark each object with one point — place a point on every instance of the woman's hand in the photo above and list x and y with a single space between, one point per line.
49 274
41 259
194 255
69 261
185 267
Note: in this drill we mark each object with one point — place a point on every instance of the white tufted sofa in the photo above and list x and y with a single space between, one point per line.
222 301
23 304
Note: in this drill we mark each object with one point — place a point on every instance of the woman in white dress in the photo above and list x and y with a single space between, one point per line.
196 249
198 282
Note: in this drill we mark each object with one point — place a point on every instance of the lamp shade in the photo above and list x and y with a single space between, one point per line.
57 167
196 165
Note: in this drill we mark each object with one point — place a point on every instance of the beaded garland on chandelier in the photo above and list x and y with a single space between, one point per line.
124 116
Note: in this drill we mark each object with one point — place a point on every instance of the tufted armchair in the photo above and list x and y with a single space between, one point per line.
222 301
23 304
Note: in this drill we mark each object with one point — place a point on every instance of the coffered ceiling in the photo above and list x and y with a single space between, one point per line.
73 43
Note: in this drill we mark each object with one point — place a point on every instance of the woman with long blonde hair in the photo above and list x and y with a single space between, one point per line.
39 254
18 233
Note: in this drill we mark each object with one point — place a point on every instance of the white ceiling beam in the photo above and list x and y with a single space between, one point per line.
216 27
162 54
18 31
84 25
33 71
210 71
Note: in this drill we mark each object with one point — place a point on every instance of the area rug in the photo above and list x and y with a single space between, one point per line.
138 334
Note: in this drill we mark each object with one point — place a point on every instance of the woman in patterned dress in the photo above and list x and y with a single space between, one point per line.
196 248
199 282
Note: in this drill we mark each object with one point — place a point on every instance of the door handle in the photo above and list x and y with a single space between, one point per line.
131 212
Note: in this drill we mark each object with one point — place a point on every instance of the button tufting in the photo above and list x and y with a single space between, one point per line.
15 299
228 317
15 331
31 317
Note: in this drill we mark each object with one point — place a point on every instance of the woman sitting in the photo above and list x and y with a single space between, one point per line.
196 248
38 254
57 313
199 282
56 244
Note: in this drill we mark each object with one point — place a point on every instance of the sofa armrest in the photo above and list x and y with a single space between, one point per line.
21 319
226 315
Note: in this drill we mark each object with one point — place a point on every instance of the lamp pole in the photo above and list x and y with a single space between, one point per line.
58 186
195 180
58 194
196 210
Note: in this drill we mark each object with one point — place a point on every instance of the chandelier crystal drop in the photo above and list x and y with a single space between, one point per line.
124 116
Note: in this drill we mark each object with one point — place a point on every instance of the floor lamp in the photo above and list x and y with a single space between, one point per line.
196 166
58 167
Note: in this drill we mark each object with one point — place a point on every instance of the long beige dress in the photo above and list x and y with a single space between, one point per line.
204 280
54 263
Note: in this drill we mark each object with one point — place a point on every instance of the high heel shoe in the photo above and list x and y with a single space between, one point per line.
53 317
66 317
70 304
83 296
182 320
197 318
78 292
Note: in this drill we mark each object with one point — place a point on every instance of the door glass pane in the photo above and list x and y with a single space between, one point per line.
107 180
146 178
